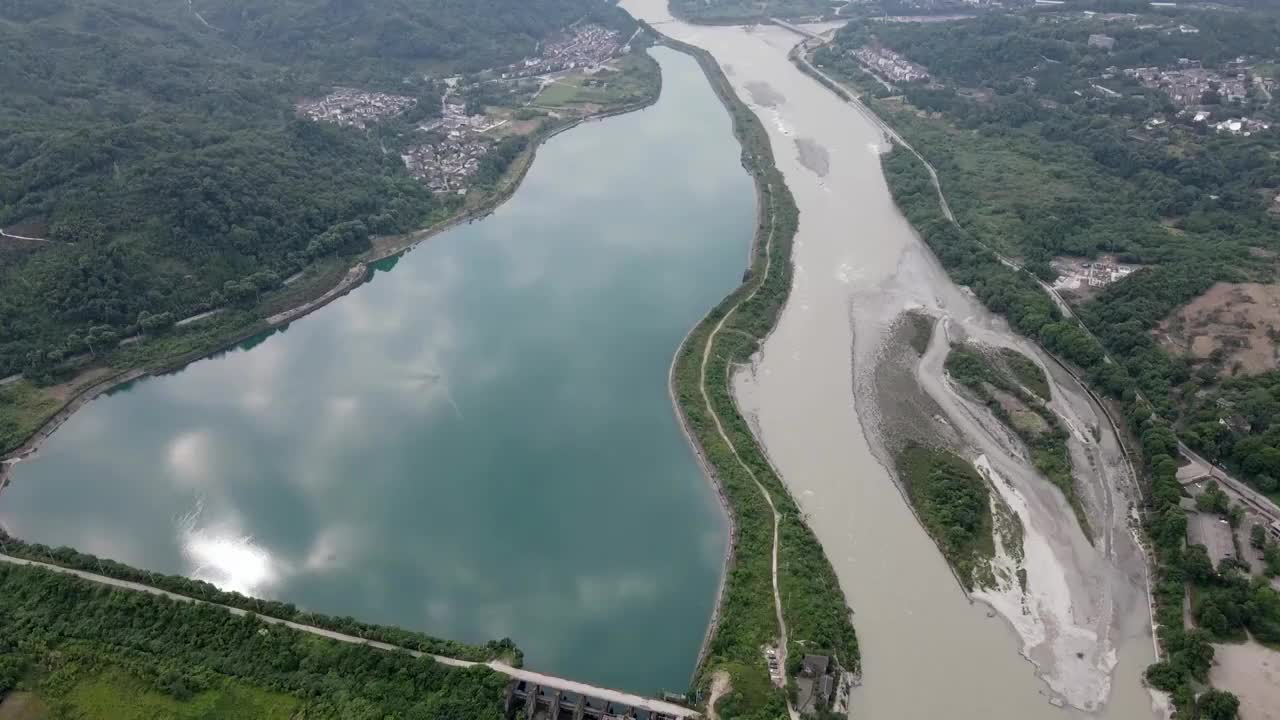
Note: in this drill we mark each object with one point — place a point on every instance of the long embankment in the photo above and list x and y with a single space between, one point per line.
355 276
496 665
778 584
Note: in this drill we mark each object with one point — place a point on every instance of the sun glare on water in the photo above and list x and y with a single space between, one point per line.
227 558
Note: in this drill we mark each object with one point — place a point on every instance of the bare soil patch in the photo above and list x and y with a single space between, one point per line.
1252 672
1024 418
1233 324
15 245
28 229
63 392
22 706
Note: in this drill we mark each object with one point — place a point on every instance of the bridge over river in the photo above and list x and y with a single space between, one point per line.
796 28
529 693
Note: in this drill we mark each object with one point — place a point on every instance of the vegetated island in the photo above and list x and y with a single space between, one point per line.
236 176
996 379
1087 108
953 500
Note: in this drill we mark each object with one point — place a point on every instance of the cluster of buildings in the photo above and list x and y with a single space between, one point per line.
1241 126
890 64
1102 42
1187 85
587 46
1105 271
348 107
456 123
447 166
1075 274
821 686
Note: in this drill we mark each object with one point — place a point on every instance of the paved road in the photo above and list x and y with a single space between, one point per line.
615 696
1255 499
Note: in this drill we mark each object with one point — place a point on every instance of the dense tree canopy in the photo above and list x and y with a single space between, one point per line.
157 145
57 631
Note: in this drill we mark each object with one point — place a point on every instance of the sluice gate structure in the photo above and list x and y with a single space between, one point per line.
529 700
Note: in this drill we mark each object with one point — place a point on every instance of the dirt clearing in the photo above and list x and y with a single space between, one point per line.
22 706
1024 418
1234 324
1252 672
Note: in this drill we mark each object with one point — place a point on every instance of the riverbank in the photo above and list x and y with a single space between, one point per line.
1055 633
266 318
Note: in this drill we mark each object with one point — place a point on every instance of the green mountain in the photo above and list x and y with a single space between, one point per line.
156 143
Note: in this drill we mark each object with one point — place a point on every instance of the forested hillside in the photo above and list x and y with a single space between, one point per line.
155 146
75 649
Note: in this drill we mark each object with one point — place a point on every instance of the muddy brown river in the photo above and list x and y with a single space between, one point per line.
1074 644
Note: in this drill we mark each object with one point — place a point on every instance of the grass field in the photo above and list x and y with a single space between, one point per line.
636 77
23 408
120 697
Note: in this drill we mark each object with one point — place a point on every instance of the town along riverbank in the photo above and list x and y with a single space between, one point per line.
475 443
927 649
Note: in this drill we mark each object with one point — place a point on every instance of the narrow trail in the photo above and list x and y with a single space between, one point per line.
11 236
706 399
720 686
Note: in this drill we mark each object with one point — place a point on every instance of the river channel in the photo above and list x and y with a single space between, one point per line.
817 399
478 443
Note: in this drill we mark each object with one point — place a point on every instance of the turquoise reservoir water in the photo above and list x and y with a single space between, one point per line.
478 443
